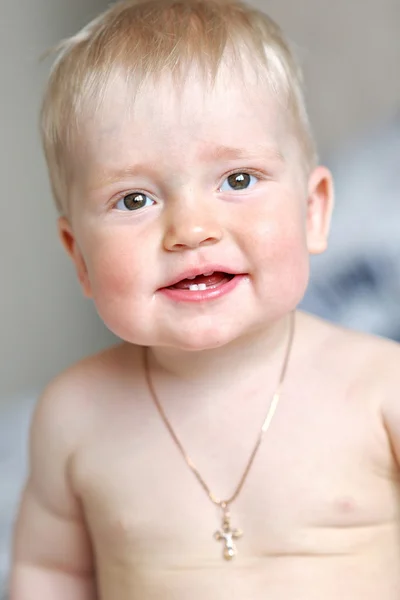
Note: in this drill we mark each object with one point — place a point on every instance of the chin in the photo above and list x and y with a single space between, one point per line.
189 338
199 341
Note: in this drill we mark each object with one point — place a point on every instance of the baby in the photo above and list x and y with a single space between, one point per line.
230 446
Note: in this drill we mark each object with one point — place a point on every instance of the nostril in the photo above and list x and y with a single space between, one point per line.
210 240
187 236
195 244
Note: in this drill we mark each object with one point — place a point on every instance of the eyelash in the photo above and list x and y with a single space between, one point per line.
124 194
251 172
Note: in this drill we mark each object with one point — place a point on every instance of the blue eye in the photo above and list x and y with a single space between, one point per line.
134 201
238 181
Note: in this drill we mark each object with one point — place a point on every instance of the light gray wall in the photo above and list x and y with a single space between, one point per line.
44 323
351 52
351 55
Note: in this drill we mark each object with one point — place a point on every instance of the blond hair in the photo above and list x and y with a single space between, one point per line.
144 39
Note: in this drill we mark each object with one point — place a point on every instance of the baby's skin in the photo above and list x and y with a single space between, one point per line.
210 182
112 503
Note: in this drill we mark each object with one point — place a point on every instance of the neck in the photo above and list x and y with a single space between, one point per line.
259 353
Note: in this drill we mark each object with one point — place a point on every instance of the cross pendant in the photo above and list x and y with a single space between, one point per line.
227 535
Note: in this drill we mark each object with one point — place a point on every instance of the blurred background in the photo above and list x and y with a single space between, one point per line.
350 52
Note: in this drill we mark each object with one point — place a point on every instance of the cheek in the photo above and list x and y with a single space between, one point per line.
279 248
121 283
114 268
279 234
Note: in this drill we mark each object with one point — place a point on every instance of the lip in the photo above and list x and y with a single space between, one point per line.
199 271
183 295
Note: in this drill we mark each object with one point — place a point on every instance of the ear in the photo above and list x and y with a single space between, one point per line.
68 240
319 209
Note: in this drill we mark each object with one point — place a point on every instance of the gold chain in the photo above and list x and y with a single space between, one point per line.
271 411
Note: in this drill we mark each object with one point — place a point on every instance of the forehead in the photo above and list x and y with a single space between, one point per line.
166 119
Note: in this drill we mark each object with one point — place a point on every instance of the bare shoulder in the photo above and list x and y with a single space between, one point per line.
365 357
67 412
76 388
358 366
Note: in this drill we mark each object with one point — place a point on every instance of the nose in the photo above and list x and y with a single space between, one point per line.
190 225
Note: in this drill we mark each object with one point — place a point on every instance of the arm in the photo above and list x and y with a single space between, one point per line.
391 402
52 558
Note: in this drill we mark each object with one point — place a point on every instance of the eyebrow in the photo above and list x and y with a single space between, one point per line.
110 176
219 152
228 152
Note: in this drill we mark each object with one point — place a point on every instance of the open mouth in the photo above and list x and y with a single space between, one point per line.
208 286
201 283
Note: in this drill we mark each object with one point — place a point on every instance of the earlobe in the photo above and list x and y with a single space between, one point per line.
71 247
319 209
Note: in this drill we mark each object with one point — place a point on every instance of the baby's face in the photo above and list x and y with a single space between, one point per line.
192 183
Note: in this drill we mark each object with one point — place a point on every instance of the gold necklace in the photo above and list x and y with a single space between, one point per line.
226 534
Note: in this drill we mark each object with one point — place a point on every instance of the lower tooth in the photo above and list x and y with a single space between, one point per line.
197 288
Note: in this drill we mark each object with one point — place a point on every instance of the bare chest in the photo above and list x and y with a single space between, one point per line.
319 485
